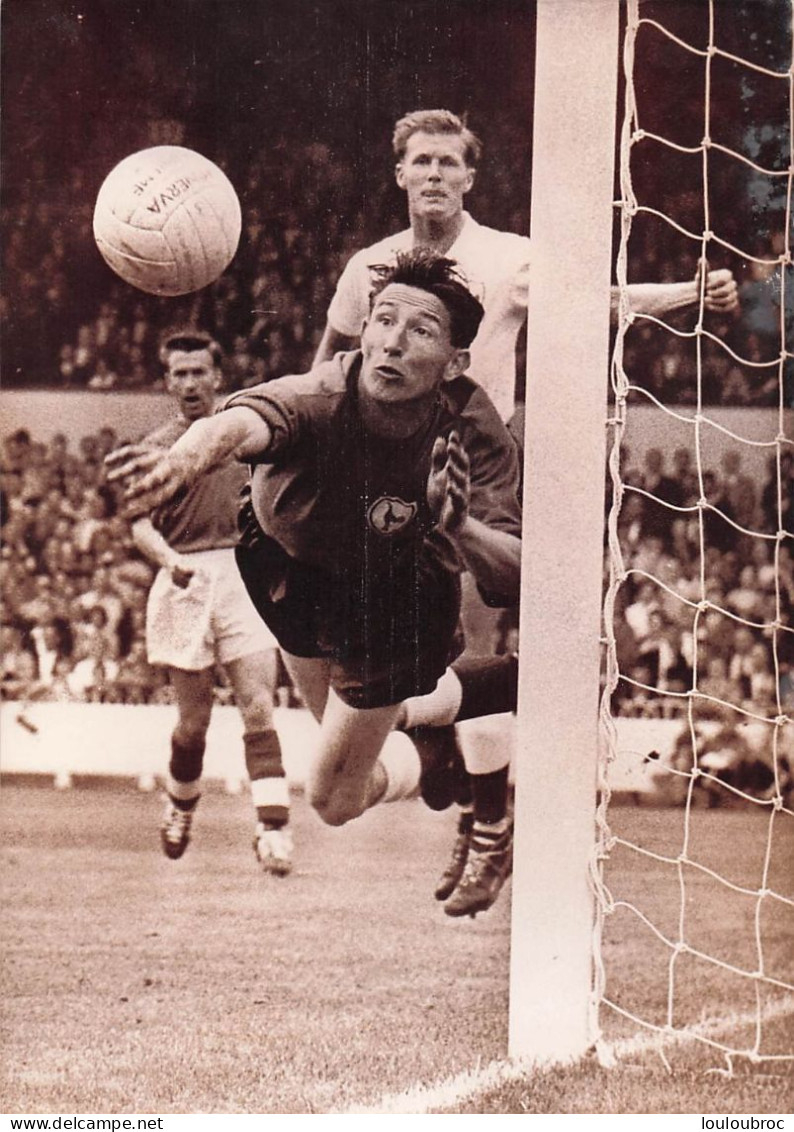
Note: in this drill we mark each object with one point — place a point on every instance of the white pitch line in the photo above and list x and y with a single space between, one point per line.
463 1086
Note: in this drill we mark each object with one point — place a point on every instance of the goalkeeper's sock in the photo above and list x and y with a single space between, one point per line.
396 773
436 709
489 685
482 685
489 793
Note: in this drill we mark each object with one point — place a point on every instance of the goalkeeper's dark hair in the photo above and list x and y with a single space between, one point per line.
441 277
189 339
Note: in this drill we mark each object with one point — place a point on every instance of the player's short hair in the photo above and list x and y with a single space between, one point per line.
189 339
441 277
436 122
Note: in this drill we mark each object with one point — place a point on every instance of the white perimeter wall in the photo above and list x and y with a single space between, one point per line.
133 741
44 413
121 739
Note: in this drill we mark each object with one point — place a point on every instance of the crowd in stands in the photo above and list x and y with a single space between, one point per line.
74 325
706 603
74 588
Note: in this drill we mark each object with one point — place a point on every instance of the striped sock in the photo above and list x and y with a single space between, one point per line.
269 786
486 835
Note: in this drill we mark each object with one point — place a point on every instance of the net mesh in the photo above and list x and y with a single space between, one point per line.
731 750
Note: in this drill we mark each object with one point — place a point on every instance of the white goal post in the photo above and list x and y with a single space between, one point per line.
567 382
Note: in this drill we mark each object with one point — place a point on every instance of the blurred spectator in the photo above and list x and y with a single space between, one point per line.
48 645
777 494
93 635
638 614
102 595
718 684
763 690
738 489
92 678
659 650
19 673
658 517
745 600
685 476
136 680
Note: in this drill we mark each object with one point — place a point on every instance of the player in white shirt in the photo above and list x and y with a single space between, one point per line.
437 157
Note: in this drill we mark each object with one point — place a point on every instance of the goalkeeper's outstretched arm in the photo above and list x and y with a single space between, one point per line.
150 477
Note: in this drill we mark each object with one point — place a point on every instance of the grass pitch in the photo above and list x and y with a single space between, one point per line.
137 984
133 984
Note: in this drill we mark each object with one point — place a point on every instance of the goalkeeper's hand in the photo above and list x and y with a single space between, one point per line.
449 485
150 476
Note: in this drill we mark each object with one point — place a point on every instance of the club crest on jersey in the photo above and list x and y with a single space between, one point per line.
389 515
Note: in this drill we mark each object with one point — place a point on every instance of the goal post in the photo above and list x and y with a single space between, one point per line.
567 381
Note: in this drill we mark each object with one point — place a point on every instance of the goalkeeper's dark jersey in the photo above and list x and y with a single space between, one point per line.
354 505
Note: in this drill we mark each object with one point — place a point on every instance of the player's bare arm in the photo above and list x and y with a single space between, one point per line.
154 547
493 557
721 295
152 477
331 343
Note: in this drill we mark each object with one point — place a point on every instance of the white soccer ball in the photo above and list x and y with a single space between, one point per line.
167 220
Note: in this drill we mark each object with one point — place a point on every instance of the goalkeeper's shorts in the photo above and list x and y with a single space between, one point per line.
383 646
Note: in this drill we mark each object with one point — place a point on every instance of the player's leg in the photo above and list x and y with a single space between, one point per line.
193 693
347 776
359 761
178 638
489 859
248 651
474 687
253 681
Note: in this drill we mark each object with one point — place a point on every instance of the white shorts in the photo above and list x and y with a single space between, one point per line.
212 620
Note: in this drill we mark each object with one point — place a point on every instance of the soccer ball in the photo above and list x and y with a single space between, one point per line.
167 220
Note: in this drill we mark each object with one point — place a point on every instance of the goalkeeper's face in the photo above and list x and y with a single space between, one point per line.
407 347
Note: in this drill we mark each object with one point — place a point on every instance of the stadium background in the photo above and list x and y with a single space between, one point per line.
295 101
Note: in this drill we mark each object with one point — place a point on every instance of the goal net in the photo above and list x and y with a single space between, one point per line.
694 895
668 920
